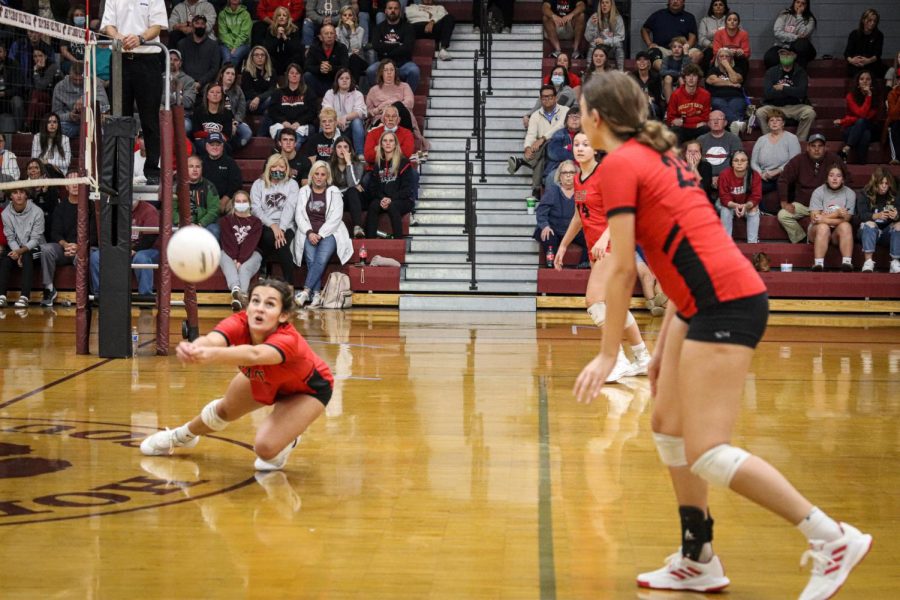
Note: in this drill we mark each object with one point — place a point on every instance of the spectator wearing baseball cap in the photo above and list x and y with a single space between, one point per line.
786 86
793 28
181 21
201 55
650 83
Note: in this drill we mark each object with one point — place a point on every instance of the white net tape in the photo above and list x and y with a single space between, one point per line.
60 31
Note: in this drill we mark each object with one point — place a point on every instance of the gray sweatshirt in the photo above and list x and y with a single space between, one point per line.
275 204
24 228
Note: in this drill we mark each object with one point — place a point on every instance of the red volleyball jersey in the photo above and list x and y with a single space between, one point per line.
589 204
300 372
697 263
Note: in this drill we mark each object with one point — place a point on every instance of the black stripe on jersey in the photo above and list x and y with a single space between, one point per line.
694 274
583 180
620 210
277 349
671 237
227 341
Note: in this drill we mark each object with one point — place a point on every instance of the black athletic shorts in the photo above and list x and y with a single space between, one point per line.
741 322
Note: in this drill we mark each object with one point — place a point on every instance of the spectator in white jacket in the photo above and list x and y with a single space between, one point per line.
350 106
542 124
319 217
9 165
432 21
607 28
273 200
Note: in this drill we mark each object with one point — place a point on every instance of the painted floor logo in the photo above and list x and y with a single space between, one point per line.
53 470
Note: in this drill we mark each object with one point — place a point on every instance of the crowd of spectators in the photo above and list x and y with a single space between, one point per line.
697 80
330 82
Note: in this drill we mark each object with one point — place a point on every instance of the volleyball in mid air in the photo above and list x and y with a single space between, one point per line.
193 253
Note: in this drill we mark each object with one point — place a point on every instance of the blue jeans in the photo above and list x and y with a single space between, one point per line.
237 57
408 72
70 129
872 236
317 258
214 229
144 276
858 136
734 108
357 134
241 136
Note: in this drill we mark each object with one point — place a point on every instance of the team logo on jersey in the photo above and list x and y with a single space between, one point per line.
48 471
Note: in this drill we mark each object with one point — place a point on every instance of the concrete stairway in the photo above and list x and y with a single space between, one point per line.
506 263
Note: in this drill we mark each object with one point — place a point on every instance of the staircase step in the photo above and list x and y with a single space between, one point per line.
524 82
488 287
454 230
458 167
509 146
500 67
483 245
484 258
459 205
484 218
491 179
482 273
485 192
463 99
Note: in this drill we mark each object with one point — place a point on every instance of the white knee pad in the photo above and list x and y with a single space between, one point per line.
597 311
718 465
671 450
629 319
211 418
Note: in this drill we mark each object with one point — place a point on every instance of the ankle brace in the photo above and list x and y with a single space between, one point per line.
696 530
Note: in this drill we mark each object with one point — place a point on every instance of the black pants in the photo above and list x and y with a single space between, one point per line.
142 83
353 202
395 211
268 250
358 66
6 266
507 7
442 31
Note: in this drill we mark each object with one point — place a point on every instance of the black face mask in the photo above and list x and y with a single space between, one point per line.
199 31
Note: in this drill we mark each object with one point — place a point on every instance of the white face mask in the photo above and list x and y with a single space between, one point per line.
556 80
390 129
241 206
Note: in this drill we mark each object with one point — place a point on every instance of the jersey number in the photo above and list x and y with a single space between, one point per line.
585 212
680 166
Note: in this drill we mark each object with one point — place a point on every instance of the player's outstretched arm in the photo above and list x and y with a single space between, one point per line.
245 354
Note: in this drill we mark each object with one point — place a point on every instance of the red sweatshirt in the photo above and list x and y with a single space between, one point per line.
404 136
741 40
266 8
858 111
731 188
693 107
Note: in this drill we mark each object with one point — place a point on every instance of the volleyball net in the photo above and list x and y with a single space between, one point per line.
43 52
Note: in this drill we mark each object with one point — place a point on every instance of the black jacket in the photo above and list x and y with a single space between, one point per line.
340 57
394 41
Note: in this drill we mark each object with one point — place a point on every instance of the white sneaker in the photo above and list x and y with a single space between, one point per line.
316 300
737 127
3 302
621 368
833 561
278 462
301 298
22 302
640 364
444 54
895 266
868 266
163 443
682 573
236 304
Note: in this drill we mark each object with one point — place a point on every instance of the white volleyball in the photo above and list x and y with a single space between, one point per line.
193 254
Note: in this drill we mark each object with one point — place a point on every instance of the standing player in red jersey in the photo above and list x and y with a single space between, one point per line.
590 216
277 367
716 316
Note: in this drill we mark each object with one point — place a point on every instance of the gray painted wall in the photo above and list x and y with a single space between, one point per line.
835 19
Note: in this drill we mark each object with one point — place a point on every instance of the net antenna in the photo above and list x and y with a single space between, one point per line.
77 35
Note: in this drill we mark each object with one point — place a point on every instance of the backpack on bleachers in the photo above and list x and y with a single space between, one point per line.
337 293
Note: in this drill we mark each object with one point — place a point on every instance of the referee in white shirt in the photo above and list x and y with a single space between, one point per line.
136 22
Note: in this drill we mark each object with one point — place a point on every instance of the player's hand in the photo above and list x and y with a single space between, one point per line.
185 352
559 257
592 377
598 250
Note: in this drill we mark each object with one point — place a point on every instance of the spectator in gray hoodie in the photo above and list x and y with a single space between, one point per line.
23 225
273 200
68 100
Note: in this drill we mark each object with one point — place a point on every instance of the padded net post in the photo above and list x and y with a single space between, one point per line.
165 231
115 238
184 214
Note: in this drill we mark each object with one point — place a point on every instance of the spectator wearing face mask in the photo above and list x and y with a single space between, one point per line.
273 200
241 232
200 53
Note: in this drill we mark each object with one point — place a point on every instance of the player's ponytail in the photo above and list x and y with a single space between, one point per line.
623 106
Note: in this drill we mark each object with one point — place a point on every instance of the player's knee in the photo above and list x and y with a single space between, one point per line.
597 310
210 416
265 449
629 320
670 449
719 464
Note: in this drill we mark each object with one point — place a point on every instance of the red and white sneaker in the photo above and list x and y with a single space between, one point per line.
833 561
682 573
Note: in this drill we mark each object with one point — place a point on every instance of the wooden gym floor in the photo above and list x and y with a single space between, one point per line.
452 463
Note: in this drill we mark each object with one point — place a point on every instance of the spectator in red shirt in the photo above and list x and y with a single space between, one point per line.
858 124
689 106
740 190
